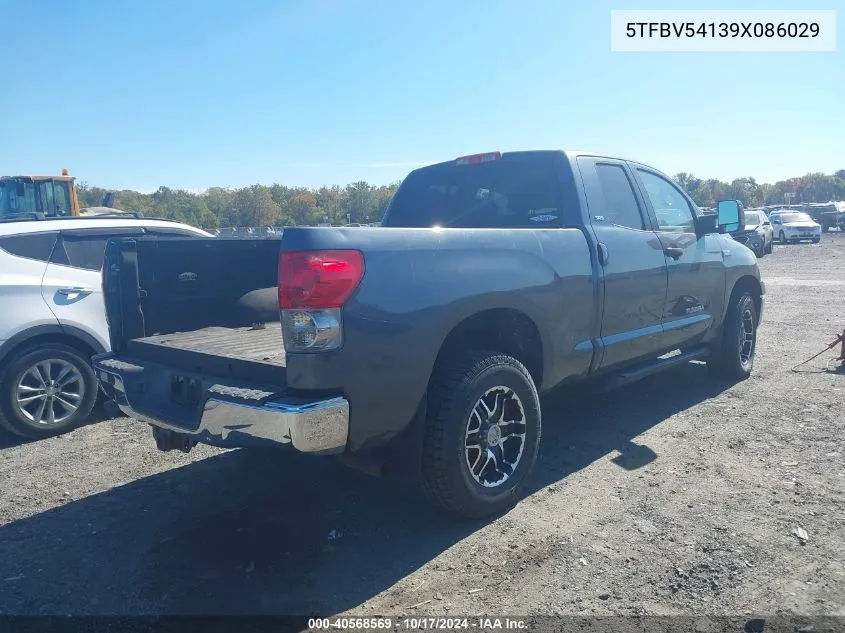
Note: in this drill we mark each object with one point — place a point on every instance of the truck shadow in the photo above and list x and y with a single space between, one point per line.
248 532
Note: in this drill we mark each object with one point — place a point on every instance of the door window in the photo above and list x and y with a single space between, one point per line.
620 203
36 246
61 194
86 252
48 203
86 248
670 206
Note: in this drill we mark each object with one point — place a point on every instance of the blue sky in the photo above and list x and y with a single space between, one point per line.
196 93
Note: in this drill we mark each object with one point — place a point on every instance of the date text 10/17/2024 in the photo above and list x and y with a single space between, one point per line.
417 624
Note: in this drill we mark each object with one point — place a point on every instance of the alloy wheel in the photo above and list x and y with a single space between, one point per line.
747 338
49 392
495 437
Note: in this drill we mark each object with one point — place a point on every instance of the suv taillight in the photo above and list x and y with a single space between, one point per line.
313 286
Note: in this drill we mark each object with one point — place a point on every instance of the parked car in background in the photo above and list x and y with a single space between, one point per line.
757 233
829 215
52 317
791 227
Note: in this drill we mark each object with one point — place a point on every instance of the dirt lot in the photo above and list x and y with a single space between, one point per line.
679 495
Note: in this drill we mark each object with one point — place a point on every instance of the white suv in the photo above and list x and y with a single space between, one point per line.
52 317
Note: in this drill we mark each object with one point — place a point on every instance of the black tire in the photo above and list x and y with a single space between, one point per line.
12 416
816 240
782 238
768 249
456 390
826 227
730 358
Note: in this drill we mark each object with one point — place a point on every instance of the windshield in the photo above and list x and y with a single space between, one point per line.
752 219
795 217
17 196
23 195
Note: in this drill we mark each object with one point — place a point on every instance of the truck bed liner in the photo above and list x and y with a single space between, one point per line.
219 350
261 345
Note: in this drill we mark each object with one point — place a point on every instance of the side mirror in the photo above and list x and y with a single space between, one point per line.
707 223
731 216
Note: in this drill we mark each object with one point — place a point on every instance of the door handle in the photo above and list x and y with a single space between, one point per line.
604 254
75 291
673 251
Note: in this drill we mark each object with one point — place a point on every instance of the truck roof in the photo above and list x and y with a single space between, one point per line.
570 154
35 177
100 222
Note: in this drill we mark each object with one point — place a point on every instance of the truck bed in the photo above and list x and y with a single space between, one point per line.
219 351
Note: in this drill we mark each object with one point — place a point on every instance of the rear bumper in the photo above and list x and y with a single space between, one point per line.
223 415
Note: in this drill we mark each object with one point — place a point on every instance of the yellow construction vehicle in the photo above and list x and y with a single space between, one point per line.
33 196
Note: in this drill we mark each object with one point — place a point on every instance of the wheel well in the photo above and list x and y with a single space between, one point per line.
751 285
61 339
501 330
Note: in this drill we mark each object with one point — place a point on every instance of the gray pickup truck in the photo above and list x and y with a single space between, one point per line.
418 348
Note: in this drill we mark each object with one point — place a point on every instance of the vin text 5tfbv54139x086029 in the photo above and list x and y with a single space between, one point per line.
420 347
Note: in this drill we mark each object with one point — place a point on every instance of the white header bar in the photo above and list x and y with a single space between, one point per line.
711 31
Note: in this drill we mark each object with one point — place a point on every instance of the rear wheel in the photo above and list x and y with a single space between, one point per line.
733 356
768 249
46 390
482 434
816 240
782 238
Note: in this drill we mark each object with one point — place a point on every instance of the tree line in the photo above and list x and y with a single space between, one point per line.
256 205
363 203
815 187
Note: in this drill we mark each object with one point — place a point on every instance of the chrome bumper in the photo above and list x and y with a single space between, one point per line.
318 426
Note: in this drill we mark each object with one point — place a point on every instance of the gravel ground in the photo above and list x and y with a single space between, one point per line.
678 495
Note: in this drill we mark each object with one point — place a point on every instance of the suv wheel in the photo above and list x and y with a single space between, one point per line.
482 434
768 249
782 238
46 391
733 356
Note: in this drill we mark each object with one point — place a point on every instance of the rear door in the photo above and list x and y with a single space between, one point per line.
72 284
631 256
696 273
23 260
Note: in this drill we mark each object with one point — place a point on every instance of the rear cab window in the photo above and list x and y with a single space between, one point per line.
513 191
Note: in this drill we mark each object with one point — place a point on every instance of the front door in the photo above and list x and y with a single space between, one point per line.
632 261
696 288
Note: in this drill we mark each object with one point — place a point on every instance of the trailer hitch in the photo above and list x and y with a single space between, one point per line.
167 440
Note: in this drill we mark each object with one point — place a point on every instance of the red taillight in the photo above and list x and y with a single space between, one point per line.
478 158
318 279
